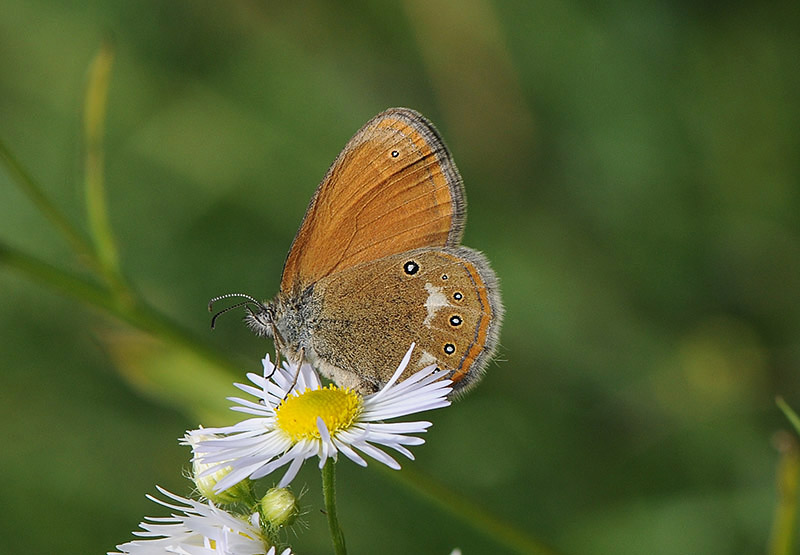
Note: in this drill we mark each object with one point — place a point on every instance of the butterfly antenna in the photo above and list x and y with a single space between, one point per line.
247 302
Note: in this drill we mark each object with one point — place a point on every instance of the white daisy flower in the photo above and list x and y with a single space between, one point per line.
198 529
296 418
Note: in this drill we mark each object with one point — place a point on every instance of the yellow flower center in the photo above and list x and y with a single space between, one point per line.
338 408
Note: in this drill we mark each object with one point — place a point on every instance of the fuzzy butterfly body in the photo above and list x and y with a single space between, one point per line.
377 264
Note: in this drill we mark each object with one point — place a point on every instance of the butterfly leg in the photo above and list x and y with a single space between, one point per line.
276 339
297 373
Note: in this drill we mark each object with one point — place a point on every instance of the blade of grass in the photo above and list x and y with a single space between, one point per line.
789 413
784 523
60 281
470 512
35 193
172 374
96 102
137 314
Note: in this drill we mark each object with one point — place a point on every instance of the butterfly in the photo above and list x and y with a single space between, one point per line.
377 265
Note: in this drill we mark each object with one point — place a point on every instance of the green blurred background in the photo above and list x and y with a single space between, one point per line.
631 170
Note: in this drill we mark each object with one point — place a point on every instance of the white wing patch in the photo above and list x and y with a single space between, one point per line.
426 359
435 301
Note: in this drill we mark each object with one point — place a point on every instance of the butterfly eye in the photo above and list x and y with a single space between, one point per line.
449 348
411 267
455 320
395 154
458 296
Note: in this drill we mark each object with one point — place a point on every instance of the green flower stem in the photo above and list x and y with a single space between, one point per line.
329 492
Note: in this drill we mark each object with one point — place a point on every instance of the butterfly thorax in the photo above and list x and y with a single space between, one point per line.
294 317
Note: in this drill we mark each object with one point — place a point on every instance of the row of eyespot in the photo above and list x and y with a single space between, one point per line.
412 268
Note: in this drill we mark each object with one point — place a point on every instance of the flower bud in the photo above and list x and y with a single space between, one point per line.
206 478
279 507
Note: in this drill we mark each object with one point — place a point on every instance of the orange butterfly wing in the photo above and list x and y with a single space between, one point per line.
393 188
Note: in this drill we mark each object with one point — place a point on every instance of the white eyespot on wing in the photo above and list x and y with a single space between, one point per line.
436 300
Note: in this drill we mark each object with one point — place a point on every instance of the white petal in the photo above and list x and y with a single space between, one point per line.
396 375
292 471
378 455
349 452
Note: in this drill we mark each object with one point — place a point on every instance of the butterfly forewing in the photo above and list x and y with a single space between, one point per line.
393 188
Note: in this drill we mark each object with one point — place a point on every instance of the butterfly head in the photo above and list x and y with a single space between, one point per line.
260 316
